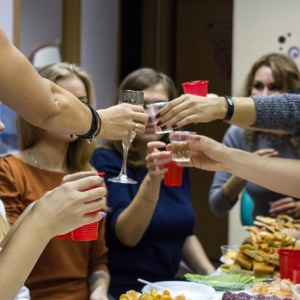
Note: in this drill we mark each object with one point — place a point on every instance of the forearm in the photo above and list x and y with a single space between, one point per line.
16 225
232 188
195 257
20 254
98 285
266 171
134 220
244 112
38 100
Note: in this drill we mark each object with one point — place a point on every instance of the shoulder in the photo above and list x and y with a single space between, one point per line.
8 160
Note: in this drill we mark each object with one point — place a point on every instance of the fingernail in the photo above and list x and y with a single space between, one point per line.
157 116
158 123
103 214
174 126
163 127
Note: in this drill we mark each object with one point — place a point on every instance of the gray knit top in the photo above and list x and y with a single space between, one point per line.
278 112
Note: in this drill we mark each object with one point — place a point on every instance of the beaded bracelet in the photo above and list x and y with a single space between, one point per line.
95 126
230 108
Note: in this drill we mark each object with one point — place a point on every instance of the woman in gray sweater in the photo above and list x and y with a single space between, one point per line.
271 74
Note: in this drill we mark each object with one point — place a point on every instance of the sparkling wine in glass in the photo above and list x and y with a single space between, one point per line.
136 98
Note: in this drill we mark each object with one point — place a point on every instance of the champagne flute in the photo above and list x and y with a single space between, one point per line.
131 97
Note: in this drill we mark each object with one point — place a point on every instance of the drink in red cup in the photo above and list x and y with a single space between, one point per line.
87 232
174 175
197 87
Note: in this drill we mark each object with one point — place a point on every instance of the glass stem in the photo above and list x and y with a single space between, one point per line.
124 163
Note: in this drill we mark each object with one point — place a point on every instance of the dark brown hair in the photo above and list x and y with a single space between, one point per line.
286 75
139 80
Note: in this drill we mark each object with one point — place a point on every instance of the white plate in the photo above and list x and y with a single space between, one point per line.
224 261
191 290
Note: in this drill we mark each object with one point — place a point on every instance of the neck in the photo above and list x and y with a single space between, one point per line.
47 157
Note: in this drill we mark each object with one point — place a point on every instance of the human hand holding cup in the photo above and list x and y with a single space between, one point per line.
179 147
87 232
74 177
152 110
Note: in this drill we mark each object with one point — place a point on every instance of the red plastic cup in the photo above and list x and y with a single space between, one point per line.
289 259
174 175
197 87
296 275
87 232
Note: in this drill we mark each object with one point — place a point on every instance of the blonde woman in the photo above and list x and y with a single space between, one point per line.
66 269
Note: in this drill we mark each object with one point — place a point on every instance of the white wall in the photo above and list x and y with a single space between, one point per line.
99 33
40 23
257 27
6 17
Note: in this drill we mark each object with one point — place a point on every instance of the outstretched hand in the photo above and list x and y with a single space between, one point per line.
207 154
65 207
156 159
191 109
119 119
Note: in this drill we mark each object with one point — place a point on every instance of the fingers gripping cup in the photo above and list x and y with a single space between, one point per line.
180 149
152 110
87 232
197 87
174 175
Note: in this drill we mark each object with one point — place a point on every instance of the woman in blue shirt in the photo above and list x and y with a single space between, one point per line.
150 227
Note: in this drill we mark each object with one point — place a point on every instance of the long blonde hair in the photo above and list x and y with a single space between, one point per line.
79 151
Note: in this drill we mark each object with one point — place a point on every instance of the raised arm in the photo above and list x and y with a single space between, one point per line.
195 109
269 172
135 219
57 212
46 105
280 112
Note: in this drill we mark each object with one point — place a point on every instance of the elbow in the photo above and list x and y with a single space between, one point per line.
215 209
128 240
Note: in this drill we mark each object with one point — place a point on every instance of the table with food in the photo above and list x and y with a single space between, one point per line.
263 267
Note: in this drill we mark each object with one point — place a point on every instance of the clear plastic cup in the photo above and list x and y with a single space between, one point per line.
152 110
180 151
